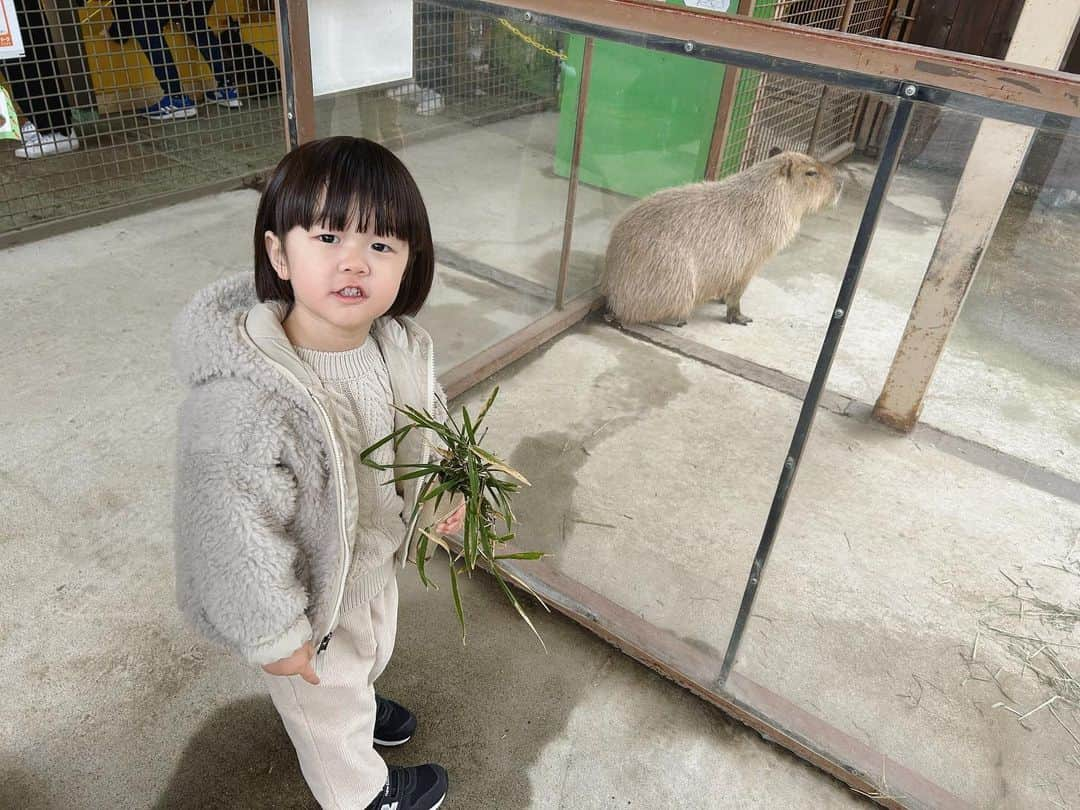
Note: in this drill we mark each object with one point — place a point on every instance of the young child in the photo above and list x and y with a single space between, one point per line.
286 545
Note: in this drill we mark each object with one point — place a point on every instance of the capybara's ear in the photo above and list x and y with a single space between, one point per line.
776 150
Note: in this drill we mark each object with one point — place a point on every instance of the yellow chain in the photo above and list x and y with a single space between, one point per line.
540 46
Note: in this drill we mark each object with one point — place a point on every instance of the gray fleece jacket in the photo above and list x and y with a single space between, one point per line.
270 506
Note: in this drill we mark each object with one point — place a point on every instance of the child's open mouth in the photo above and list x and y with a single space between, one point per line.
351 293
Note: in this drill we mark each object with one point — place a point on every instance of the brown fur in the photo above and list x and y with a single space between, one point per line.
680 247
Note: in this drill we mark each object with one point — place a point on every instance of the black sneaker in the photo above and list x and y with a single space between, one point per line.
394 724
422 787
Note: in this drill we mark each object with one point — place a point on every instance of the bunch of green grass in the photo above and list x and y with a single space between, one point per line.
487 484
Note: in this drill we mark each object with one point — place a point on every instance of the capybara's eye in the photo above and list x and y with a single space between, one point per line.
812 173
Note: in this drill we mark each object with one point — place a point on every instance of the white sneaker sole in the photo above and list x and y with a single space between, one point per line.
385 744
430 109
232 103
187 112
35 151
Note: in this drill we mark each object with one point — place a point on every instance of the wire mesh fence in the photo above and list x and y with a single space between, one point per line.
124 100
467 67
777 111
121 101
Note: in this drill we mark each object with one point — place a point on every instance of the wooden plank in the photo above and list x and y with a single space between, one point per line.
934 23
722 123
575 165
971 26
1033 87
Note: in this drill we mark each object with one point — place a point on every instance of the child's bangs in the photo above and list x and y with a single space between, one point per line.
361 186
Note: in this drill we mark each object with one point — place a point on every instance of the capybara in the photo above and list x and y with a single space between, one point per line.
681 247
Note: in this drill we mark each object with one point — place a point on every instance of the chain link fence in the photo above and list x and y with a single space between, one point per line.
772 110
125 101
467 68
122 101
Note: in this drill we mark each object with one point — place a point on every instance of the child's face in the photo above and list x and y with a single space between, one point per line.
341 280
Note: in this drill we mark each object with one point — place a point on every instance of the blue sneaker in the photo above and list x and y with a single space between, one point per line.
171 108
226 97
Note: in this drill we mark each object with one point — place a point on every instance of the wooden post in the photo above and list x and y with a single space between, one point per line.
1043 34
298 94
575 165
722 125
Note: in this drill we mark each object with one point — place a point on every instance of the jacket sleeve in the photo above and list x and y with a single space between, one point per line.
236 564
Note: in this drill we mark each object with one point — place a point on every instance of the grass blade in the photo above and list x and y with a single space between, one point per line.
459 465
517 606
487 406
500 465
457 599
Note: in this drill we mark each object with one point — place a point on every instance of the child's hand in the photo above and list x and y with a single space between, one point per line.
299 663
454 523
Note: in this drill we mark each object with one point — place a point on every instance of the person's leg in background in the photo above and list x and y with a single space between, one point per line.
145 27
196 29
36 88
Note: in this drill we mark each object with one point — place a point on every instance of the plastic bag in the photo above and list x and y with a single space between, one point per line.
9 123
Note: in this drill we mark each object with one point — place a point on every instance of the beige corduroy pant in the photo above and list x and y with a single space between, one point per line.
332 725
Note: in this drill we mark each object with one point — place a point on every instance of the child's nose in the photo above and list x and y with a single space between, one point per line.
354 262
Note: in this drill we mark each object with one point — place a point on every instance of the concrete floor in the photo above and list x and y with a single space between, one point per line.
108 700
652 475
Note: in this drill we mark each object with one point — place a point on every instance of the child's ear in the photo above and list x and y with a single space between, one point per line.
275 250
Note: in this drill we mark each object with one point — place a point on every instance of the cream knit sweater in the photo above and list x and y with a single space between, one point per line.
361 378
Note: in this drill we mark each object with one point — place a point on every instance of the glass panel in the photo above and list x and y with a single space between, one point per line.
791 297
1009 375
921 596
653 469
477 128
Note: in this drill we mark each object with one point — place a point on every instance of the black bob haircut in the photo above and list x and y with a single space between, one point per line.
332 180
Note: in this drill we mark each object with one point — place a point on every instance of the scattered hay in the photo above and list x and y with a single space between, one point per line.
1038 635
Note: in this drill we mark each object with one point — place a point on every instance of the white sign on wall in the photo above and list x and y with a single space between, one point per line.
711 5
359 44
11 44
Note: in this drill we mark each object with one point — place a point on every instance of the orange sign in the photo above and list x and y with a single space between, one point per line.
11 45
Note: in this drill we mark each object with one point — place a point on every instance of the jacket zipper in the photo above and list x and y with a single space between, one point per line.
339 468
339 479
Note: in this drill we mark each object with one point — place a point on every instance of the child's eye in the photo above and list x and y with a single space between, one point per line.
382 247
328 238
